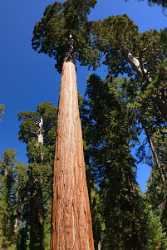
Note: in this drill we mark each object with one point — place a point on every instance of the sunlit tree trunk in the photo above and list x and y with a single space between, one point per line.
71 218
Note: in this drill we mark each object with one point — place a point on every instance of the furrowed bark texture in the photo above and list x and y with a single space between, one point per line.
71 217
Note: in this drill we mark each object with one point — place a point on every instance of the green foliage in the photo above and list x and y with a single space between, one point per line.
22 206
29 130
115 32
98 221
157 238
7 200
51 34
36 209
156 193
116 37
38 186
112 167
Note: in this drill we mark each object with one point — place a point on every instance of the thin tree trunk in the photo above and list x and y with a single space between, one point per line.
161 171
154 153
71 218
36 216
99 245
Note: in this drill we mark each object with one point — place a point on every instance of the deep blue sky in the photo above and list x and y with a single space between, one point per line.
28 78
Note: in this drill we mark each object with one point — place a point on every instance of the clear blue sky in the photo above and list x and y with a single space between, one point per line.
28 79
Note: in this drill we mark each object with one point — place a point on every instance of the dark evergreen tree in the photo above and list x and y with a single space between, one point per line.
156 192
113 167
39 184
22 208
7 200
60 20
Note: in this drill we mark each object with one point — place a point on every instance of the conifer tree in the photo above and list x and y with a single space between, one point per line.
60 20
156 192
7 200
67 23
113 167
37 188
22 207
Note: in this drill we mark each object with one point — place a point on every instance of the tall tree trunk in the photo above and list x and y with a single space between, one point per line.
71 218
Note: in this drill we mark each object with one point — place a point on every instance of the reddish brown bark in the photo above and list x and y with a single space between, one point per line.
71 218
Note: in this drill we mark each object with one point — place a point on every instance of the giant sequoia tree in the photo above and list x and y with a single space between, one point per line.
63 33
